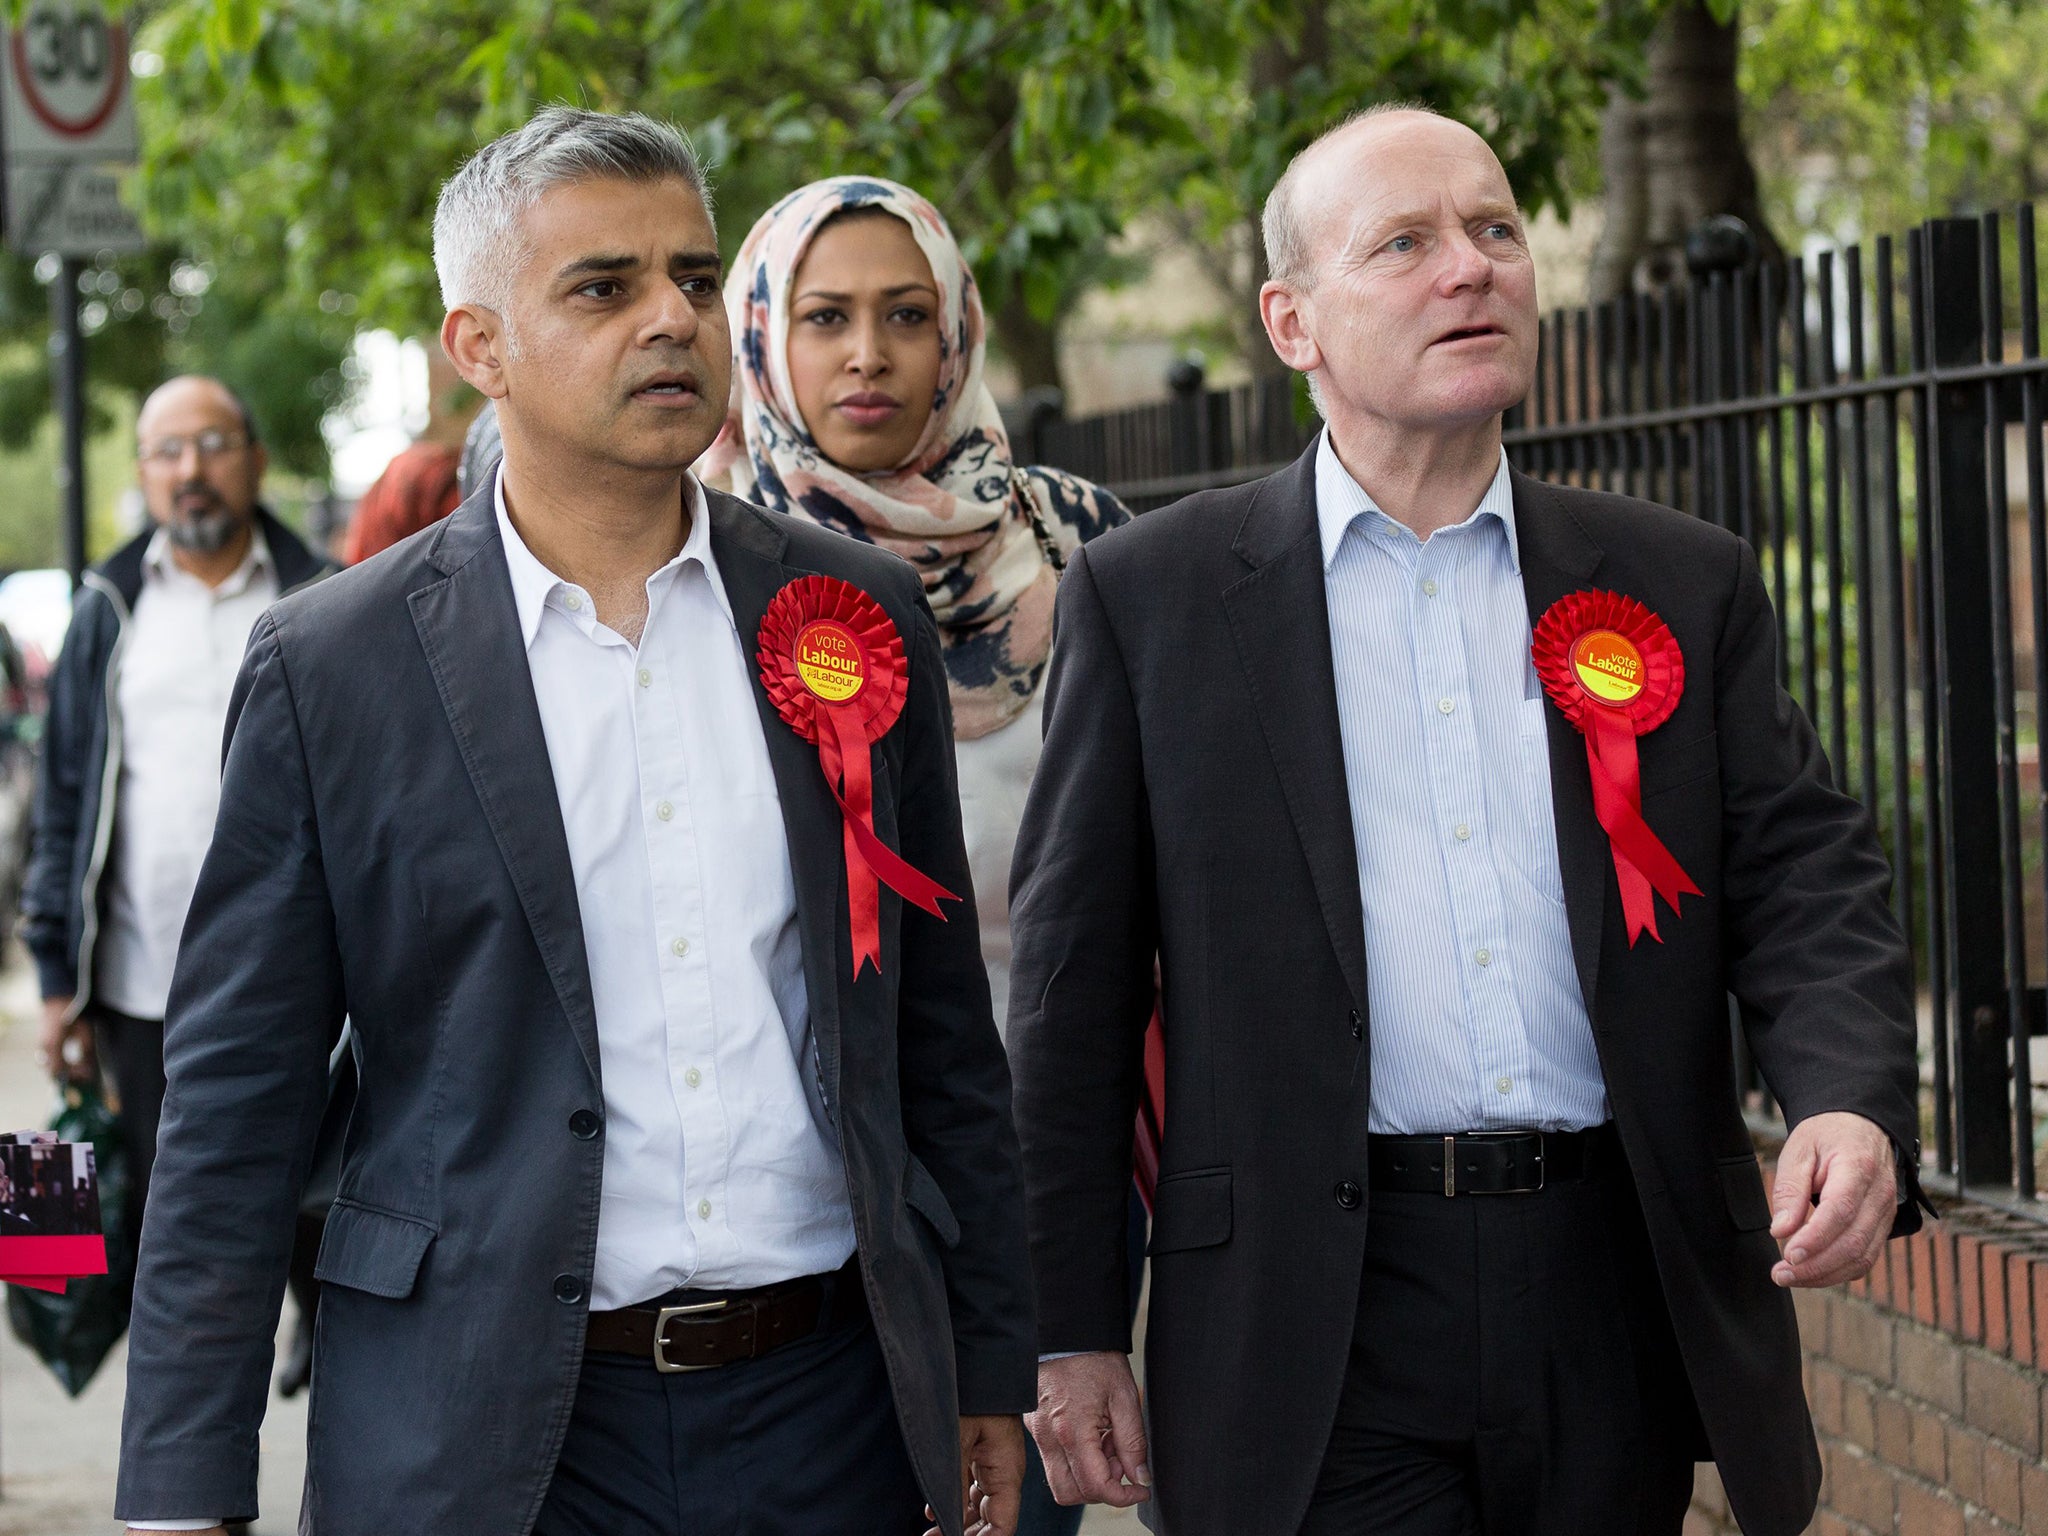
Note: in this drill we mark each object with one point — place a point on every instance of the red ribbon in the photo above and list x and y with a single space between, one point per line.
1615 670
832 665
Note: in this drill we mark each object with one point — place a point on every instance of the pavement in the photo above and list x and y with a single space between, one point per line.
58 1454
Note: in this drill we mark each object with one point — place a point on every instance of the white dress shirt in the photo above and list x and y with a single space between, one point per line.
180 652
1477 1018
720 1168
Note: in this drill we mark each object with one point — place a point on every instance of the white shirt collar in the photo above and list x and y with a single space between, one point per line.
158 563
1341 501
533 583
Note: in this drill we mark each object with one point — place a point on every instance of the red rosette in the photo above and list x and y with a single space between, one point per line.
1614 669
831 662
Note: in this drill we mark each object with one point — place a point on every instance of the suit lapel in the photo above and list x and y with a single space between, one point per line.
1559 557
1280 620
469 627
749 550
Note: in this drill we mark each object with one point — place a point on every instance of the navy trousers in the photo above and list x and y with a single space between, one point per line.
803 1440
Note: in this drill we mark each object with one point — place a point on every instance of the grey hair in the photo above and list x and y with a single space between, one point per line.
478 249
1288 257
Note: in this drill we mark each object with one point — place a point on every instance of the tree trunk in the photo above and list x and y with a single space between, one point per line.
1675 157
1276 63
1032 345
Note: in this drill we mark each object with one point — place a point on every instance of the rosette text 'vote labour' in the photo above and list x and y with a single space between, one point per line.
833 666
1615 670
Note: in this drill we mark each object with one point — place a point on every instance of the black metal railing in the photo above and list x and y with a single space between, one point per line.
1862 422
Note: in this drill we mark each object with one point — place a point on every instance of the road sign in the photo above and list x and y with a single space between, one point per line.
67 123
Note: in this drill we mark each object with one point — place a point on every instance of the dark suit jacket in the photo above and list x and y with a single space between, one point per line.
1191 806
390 845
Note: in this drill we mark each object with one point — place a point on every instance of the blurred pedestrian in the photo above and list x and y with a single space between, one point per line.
657 1215
416 490
1352 754
861 405
130 772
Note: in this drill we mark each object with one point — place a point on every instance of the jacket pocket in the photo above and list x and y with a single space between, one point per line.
1742 1186
1191 1210
922 1194
370 1250
1679 766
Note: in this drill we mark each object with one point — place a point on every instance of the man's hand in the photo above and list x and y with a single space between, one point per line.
991 1475
1832 1206
66 1049
1091 1430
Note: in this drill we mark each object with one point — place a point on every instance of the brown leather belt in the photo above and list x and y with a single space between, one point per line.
700 1330
1490 1162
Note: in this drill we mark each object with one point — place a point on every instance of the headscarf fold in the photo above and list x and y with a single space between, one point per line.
986 536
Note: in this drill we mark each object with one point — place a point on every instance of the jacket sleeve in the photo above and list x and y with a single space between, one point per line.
256 997
1815 956
955 1080
77 698
1084 931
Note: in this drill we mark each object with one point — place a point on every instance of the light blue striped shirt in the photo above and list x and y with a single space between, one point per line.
1477 1018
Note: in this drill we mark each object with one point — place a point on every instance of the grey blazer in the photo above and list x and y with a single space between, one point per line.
390 846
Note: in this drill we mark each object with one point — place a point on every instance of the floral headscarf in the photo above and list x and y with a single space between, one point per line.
987 537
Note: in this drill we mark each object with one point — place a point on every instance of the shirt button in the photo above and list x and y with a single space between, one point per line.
1444 706
583 1125
568 1290
1484 957
680 948
704 1210
1462 832
573 603
1505 1084
664 810
1429 589
1348 1195
693 1077
646 678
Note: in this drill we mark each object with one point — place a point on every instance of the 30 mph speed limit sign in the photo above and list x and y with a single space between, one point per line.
67 125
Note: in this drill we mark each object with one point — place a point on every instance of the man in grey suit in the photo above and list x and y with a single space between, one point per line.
655 1215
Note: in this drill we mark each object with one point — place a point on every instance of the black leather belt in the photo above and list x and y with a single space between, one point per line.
1489 1162
699 1330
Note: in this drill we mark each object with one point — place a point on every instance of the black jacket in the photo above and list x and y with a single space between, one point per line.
1191 806
390 845
62 902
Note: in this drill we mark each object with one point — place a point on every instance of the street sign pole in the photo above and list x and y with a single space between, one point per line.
67 373
69 123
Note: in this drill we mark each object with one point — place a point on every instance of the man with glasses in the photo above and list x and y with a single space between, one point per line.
130 775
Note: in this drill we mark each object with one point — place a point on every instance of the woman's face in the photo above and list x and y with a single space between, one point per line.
864 341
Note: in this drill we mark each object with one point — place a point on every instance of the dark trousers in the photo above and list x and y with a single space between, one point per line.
131 1052
803 1440
1512 1373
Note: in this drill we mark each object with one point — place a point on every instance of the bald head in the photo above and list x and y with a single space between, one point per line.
201 466
1328 179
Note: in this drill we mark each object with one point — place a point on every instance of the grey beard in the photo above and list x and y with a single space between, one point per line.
206 534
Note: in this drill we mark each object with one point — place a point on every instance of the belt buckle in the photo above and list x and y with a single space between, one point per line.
662 1363
1450 1155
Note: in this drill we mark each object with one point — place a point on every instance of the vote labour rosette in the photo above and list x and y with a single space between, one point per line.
1614 669
833 665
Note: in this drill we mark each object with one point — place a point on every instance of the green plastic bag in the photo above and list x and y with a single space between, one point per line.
72 1333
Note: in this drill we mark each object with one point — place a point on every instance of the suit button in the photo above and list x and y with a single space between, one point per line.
568 1290
583 1125
1348 1195
1357 1026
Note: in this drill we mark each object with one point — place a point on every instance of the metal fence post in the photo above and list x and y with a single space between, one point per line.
1971 927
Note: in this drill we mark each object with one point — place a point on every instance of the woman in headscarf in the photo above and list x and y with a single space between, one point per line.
861 405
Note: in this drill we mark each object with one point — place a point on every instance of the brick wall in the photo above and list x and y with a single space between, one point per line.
1926 1382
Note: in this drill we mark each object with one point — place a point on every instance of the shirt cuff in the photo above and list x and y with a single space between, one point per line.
172 1525
1063 1354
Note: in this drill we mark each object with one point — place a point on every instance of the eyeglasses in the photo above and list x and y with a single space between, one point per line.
211 445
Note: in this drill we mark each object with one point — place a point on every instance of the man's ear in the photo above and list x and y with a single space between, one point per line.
474 339
1285 314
